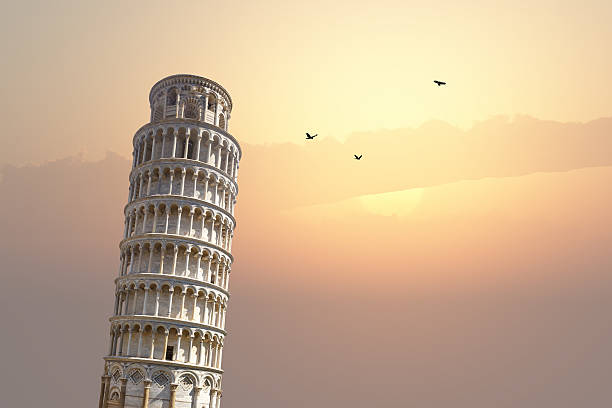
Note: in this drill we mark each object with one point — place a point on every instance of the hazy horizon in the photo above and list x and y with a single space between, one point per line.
464 261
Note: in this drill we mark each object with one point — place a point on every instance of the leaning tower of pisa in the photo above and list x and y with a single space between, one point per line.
168 327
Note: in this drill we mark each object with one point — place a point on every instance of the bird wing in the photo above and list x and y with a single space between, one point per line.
307 134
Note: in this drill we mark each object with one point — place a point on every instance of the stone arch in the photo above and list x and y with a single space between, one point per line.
185 392
208 384
114 396
116 372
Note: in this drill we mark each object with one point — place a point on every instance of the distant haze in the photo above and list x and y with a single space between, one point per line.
463 262
480 281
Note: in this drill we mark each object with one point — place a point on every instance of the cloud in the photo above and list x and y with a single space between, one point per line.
324 171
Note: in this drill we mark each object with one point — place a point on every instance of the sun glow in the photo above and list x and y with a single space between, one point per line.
398 203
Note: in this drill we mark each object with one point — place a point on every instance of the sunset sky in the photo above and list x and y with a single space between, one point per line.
463 262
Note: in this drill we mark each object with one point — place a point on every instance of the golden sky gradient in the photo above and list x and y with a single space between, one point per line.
331 67
464 261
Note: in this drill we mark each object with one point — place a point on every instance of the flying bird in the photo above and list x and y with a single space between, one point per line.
358 157
440 83
310 137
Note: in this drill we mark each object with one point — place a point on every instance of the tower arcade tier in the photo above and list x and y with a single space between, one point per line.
168 326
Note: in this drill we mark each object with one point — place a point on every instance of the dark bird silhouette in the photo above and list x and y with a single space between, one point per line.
310 137
440 83
358 157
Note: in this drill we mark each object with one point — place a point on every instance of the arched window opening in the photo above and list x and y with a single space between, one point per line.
191 111
190 151
180 148
169 353
172 96
212 101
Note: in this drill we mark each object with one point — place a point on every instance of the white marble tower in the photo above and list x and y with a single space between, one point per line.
168 327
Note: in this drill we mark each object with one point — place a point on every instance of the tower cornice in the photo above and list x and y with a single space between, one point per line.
177 199
183 324
188 163
181 122
172 279
189 79
175 239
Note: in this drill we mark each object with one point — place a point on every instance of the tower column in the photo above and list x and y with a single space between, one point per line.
200 360
112 340
191 214
213 399
178 222
209 353
205 189
164 132
151 251
161 259
155 213
188 359
167 220
196 395
129 345
157 290
122 395
187 255
165 348
149 178
151 352
183 173
171 290
198 265
181 312
131 259
140 333
172 395
153 148
178 346
121 336
103 390
144 150
186 150
145 397
218 155
146 299
197 155
208 148
174 146
144 220
174 260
